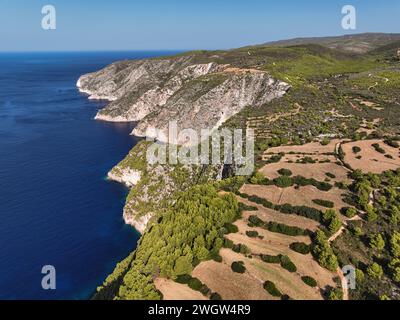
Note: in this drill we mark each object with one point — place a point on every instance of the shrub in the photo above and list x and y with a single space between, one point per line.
392 143
325 142
215 296
300 247
301 181
330 175
323 252
310 281
238 267
270 287
285 229
275 158
228 243
349 212
306 160
231 228
252 234
256 221
270 259
356 149
332 221
335 294
378 148
287 264
324 203
216 257
183 278
195 284
376 242
285 172
244 207
303 211
205 290
283 182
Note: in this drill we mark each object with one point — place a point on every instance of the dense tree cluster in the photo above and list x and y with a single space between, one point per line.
190 231
323 252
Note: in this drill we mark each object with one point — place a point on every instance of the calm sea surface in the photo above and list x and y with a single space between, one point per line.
56 207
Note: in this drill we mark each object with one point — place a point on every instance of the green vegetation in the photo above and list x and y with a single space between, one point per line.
241 248
300 247
270 259
332 221
310 281
323 252
324 203
303 211
356 149
189 231
238 267
378 148
330 175
283 182
371 246
252 234
285 172
287 264
335 294
275 227
376 242
285 229
333 94
349 212
375 271
283 260
230 228
272 289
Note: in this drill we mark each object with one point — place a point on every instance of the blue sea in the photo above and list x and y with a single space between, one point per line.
56 206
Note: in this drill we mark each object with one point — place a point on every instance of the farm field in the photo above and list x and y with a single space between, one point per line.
172 290
368 159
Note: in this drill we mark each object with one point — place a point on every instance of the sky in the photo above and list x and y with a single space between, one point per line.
87 25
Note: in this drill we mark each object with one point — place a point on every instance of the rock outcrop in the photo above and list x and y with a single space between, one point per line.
195 95
153 186
195 92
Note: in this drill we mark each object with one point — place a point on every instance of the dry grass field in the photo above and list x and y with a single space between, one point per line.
267 215
317 171
298 197
309 148
172 290
370 160
220 278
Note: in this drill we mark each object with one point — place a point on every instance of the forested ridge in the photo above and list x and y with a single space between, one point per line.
190 231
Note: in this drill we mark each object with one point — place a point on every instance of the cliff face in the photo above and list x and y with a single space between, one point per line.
153 187
193 91
195 95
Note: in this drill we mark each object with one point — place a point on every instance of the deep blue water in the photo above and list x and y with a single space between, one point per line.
56 207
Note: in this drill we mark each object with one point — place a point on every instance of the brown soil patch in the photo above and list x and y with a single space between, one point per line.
309 148
371 160
310 170
275 244
220 278
298 197
267 215
176 291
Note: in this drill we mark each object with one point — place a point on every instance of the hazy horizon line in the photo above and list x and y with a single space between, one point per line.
196 49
